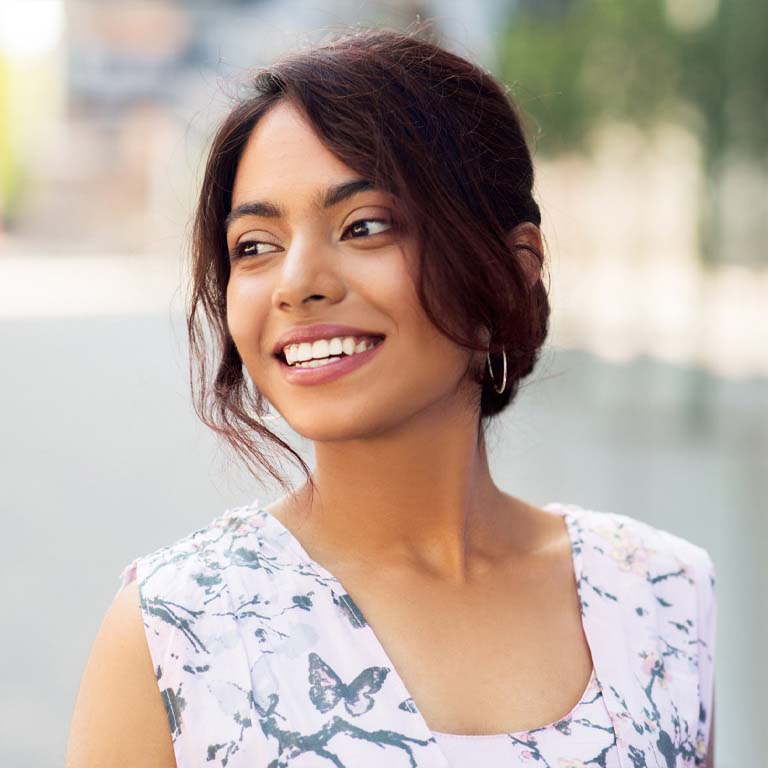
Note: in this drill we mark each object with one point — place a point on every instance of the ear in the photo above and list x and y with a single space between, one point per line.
529 235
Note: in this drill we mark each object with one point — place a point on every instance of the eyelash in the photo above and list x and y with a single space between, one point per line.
238 251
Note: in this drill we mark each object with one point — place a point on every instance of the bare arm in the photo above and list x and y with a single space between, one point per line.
119 717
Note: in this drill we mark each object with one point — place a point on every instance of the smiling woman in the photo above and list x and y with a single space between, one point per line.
367 250
423 155
302 220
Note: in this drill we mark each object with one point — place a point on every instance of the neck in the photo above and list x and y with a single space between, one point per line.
420 496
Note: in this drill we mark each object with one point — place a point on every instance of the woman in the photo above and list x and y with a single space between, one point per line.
367 251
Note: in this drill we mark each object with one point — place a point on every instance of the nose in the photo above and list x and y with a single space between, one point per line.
309 272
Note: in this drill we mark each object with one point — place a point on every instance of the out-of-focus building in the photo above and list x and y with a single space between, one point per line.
143 85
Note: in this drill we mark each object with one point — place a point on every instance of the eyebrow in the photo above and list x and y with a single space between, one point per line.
332 196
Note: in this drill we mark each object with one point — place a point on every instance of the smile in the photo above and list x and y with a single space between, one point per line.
317 371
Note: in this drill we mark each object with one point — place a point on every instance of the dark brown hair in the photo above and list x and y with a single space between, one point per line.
442 135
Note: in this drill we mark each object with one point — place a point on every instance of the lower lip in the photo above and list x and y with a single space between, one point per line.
329 371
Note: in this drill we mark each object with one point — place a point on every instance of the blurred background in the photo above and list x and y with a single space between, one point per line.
647 120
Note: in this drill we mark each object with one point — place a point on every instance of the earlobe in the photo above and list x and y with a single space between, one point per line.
528 235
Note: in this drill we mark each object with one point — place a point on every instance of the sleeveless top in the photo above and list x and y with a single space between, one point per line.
262 658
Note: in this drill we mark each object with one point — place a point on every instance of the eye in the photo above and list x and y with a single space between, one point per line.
247 248
361 227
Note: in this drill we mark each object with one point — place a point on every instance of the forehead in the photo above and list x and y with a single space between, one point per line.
285 156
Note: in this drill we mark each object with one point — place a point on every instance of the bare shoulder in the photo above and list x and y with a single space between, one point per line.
119 717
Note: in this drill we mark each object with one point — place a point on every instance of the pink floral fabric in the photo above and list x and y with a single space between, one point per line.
262 657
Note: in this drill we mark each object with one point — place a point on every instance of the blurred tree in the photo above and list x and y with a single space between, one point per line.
572 64
581 62
9 176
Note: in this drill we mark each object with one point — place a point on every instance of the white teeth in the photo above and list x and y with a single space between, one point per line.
320 348
304 351
316 363
323 348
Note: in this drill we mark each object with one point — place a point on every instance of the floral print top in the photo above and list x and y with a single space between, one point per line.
263 660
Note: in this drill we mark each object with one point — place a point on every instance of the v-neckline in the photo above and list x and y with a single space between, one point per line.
377 648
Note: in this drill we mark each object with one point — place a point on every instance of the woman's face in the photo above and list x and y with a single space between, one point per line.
305 263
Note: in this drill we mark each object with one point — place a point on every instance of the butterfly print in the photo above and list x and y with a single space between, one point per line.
327 689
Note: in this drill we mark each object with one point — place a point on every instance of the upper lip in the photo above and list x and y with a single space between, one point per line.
309 333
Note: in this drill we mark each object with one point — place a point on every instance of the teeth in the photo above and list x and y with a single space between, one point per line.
322 349
316 363
304 351
319 349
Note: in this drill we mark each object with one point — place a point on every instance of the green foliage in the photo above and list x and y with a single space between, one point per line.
10 175
573 64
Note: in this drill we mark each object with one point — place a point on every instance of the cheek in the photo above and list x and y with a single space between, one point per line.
426 359
246 310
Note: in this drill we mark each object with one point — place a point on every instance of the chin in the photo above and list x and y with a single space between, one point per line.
339 424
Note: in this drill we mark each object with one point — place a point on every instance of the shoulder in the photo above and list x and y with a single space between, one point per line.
191 591
206 544
119 716
197 565
635 546
659 587
197 602
623 554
